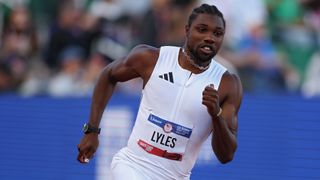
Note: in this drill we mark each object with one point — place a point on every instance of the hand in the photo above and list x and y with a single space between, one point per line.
87 147
210 99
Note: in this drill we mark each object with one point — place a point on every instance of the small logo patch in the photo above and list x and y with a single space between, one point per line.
167 76
167 128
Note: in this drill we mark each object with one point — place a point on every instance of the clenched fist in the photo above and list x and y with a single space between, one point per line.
87 147
210 98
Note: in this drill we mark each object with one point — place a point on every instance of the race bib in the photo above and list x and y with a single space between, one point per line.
166 135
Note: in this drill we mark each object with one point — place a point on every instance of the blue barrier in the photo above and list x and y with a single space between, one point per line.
279 138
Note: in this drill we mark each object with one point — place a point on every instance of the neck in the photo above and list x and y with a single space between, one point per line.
192 61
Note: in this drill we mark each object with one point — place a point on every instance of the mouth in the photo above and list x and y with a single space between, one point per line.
206 49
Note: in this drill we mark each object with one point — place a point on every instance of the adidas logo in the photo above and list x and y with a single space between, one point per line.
167 76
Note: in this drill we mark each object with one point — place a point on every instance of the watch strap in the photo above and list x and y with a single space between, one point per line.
87 128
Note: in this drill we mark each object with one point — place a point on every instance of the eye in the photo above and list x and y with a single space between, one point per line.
218 33
202 29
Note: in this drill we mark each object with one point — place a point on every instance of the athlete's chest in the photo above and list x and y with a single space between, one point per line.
176 94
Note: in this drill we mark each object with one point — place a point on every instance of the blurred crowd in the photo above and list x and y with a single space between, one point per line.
59 47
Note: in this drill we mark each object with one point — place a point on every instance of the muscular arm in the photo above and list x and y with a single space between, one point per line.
139 63
225 126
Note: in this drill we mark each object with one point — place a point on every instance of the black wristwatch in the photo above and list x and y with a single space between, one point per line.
87 128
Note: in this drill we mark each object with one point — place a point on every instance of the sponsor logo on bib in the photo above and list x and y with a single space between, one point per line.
170 126
167 128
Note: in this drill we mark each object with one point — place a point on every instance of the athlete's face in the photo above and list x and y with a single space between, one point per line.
205 36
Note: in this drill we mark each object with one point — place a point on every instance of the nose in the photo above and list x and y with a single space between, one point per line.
209 39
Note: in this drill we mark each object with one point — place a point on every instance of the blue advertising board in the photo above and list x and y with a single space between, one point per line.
278 138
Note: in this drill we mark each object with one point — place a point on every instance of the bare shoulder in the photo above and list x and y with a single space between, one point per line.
231 80
143 49
139 63
142 55
231 88
142 59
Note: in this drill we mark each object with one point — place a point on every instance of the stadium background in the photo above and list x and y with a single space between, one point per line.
52 51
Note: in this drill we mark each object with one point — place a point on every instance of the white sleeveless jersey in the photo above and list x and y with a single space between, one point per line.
171 117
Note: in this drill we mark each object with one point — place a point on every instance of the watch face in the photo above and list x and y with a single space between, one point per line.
89 129
85 128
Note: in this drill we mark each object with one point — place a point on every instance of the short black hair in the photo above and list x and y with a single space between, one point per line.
205 9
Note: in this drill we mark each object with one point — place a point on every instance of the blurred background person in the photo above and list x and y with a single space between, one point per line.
67 81
291 35
261 66
311 85
91 71
72 27
19 44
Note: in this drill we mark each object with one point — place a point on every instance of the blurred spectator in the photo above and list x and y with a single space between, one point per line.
110 48
4 11
73 27
155 22
36 79
259 64
312 19
177 21
110 10
19 36
311 85
17 69
5 78
164 22
67 81
92 69
290 33
19 45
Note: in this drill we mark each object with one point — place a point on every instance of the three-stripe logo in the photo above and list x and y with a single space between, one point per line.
167 76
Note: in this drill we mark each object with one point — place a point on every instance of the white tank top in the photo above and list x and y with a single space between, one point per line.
172 117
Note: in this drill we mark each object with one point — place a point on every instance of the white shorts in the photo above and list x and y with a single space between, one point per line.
123 170
125 166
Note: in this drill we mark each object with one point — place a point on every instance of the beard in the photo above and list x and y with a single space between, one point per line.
199 57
